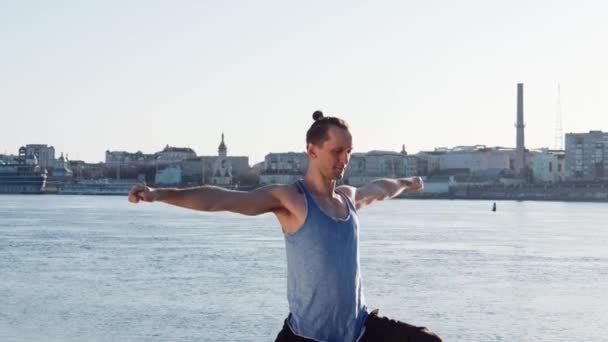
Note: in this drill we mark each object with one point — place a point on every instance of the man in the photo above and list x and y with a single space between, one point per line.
320 225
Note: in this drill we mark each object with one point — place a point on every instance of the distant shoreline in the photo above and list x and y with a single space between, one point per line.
504 199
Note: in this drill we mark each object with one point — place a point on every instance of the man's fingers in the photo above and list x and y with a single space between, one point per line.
137 193
415 184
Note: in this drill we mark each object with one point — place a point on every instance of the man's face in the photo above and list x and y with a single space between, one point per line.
334 153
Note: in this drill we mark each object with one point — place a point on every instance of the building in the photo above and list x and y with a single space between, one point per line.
168 156
284 168
23 175
123 164
472 158
8 158
203 169
45 154
429 161
83 170
61 168
119 158
289 161
365 167
170 175
476 158
548 166
587 156
172 155
287 167
198 170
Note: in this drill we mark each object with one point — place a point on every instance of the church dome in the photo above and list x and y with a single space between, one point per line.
222 147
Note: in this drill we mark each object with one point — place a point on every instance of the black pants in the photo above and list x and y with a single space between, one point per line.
377 329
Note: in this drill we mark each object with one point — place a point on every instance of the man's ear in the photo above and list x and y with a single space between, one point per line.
310 149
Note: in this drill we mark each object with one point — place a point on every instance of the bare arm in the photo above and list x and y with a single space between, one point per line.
383 188
212 198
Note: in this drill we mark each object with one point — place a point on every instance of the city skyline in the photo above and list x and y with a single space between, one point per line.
86 78
65 154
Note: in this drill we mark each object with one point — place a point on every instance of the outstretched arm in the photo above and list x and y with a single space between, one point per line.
383 188
212 198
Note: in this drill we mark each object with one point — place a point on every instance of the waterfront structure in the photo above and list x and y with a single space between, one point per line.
587 156
437 185
102 186
23 176
61 168
548 166
8 158
44 153
83 170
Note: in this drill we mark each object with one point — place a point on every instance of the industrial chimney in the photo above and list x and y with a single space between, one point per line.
520 150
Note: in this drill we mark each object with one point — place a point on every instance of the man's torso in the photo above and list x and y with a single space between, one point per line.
292 214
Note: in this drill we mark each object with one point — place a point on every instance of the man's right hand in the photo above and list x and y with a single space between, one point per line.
140 192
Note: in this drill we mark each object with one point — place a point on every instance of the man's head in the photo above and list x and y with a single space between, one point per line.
329 144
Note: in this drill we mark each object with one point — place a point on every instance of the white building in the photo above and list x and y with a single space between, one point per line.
365 167
477 158
172 155
168 156
284 168
119 158
290 161
429 161
548 166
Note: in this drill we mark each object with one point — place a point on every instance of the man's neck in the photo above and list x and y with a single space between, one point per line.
319 184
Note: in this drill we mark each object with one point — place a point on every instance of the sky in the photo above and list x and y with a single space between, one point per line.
91 76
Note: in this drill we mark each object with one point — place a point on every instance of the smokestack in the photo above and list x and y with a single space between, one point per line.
520 156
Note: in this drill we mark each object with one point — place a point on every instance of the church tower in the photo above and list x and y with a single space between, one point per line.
222 170
222 150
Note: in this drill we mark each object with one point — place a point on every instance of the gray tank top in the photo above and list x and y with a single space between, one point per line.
324 288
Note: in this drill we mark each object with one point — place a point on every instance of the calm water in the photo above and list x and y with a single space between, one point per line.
77 268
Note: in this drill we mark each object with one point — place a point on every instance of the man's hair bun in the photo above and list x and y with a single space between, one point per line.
317 115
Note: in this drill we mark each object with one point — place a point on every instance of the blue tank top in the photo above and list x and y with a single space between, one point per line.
324 289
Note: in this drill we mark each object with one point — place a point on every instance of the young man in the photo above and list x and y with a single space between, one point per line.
320 225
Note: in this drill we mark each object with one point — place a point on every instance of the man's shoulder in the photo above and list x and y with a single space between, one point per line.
280 190
347 190
292 202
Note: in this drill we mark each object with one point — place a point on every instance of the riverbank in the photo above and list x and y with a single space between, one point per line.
570 192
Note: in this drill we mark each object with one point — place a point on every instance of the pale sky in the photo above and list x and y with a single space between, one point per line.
87 76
